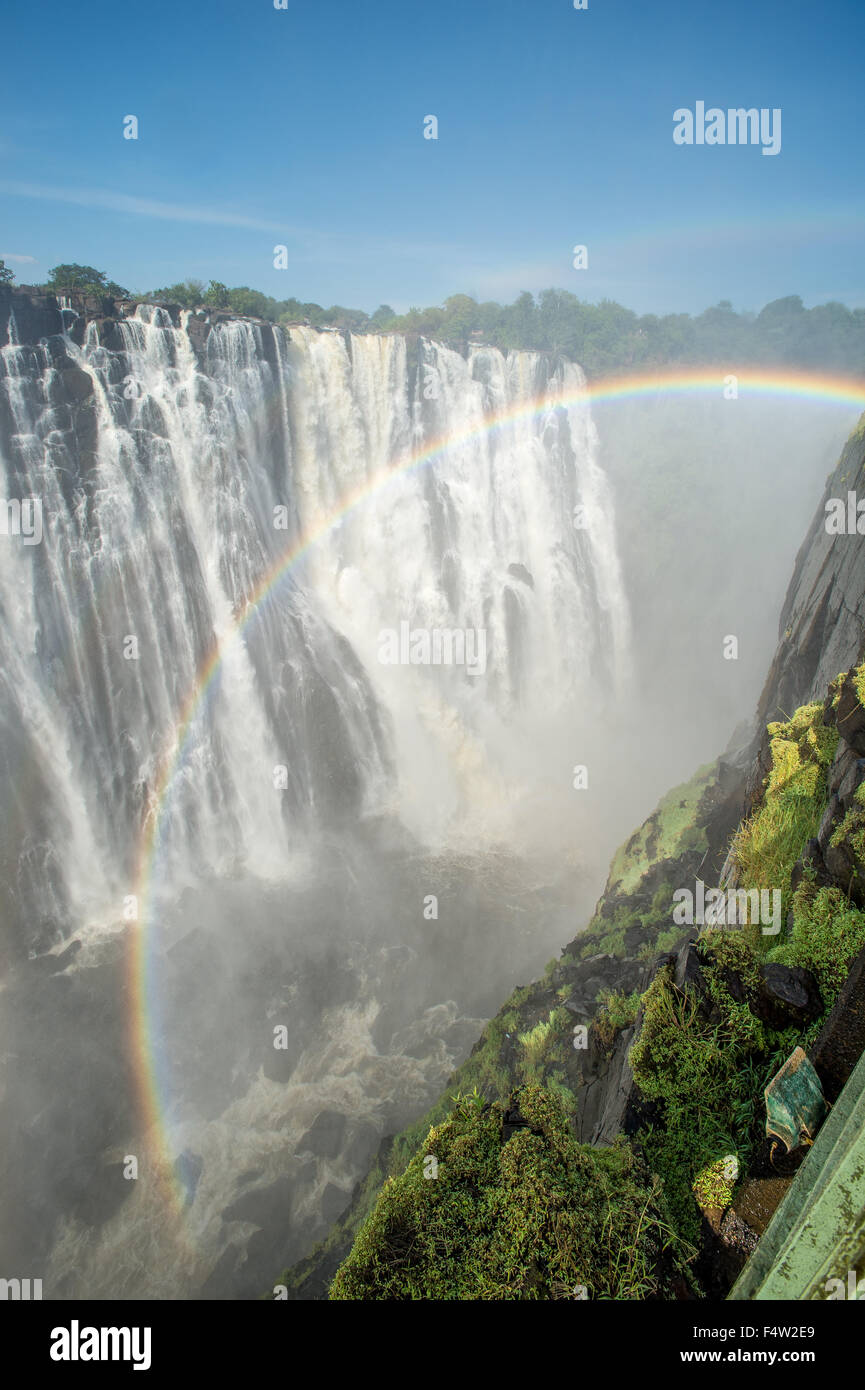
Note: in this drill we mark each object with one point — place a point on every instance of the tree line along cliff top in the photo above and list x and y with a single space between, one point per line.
603 337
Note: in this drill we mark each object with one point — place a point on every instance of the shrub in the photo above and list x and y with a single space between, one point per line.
532 1216
618 1011
827 934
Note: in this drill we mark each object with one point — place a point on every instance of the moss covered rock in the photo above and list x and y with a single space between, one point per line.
505 1204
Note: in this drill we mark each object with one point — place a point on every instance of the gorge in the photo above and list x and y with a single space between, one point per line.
226 816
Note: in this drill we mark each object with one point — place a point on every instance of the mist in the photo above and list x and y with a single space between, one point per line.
279 892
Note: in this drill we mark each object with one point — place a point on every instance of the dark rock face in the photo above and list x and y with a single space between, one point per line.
841 1040
609 1100
788 996
850 718
258 1205
326 1135
62 1162
30 313
823 618
513 1121
334 1201
811 862
688 975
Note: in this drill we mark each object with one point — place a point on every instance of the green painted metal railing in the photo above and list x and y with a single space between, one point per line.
818 1232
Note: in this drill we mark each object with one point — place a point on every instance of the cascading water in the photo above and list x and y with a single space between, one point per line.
228 531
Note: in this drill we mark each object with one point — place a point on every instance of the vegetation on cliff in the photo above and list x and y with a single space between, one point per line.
704 1061
511 1213
770 841
494 1210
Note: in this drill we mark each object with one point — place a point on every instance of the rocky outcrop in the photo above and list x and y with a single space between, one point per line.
822 621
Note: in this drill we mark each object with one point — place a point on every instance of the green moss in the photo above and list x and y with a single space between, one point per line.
668 941
715 1185
564 1093
767 845
535 1042
828 932
669 832
704 1075
618 1011
536 1216
612 943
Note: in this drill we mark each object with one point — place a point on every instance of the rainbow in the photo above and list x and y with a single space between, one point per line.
150 1084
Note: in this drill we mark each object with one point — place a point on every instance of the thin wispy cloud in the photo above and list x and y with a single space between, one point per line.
19 260
312 244
138 207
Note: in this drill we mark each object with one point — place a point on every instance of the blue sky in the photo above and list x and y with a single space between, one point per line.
304 127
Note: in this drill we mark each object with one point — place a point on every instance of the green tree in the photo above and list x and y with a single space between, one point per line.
187 293
216 296
83 279
461 316
355 320
5 274
243 300
383 315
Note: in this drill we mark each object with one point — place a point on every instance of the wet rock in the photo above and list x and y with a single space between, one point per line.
513 1120
846 869
520 572
846 774
37 314
333 1202
76 384
788 995
734 984
362 1146
99 1190
739 1240
635 937
326 1135
53 964
828 821
688 975
262 1204
188 1168
220 1282
850 716
251 1175
603 1107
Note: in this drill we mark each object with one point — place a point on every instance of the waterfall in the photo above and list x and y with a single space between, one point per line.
160 460
237 522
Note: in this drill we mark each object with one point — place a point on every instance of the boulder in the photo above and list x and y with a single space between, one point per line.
788 996
75 385
326 1135
850 716
688 975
